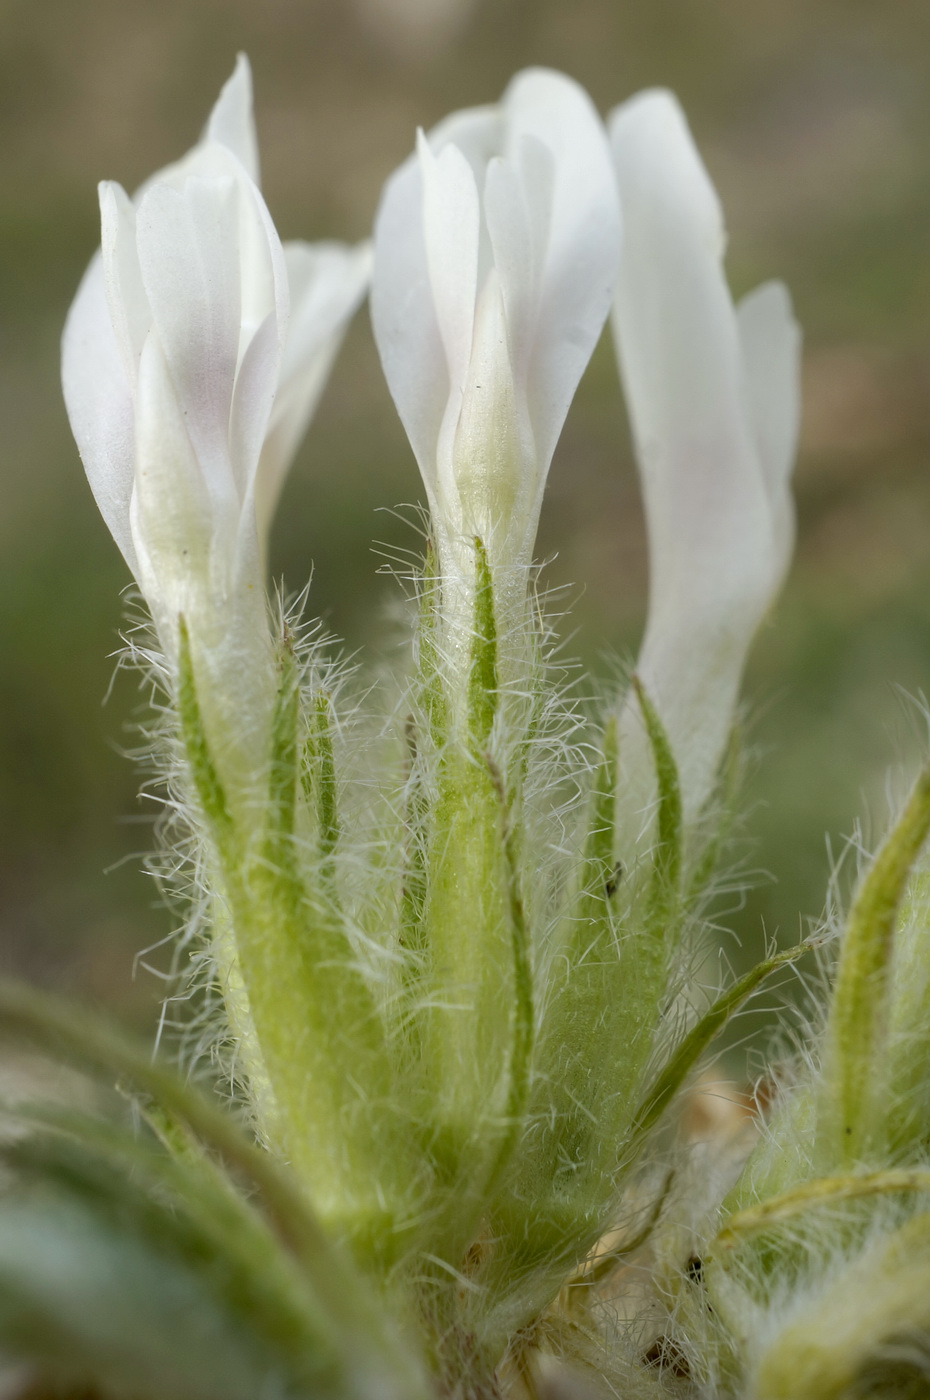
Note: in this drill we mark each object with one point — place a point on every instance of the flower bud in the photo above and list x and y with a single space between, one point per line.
496 248
186 391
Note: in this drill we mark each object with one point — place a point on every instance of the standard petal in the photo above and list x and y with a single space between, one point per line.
404 318
709 517
98 398
232 123
771 343
189 254
128 305
581 251
518 207
478 134
451 229
327 282
256 385
262 268
264 302
175 519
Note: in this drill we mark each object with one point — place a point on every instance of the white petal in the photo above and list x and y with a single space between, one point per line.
265 305
583 244
175 519
98 398
256 386
232 123
771 343
211 158
189 253
518 208
451 229
713 555
485 485
126 299
540 166
477 133
404 318
262 268
327 282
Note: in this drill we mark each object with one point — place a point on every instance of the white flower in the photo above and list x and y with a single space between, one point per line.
713 396
186 390
496 249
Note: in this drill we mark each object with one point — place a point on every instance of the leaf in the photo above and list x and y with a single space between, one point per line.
483 693
319 773
101 1281
828 1190
683 1059
524 1013
282 772
667 868
210 791
429 670
368 1346
857 1027
602 874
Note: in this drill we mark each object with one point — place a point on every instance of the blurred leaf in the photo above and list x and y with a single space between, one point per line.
343 1319
100 1283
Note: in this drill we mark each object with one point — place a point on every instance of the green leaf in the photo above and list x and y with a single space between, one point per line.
359 1328
483 682
602 873
282 771
191 1220
90 1303
667 868
102 1280
854 1101
319 773
207 783
431 690
414 888
862 1332
685 1057
524 1014
823 1191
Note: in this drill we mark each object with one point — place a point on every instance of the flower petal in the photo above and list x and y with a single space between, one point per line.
256 386
583 244
714 563
128 304
265 309
770 338
189 254
525 190
327 281
483 485
451 230
404 318
518 208
98 398
232 123
175 519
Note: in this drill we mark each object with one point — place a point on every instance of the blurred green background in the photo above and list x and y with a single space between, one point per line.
814 118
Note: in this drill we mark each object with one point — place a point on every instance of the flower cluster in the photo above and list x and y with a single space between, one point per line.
444 951
197 348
